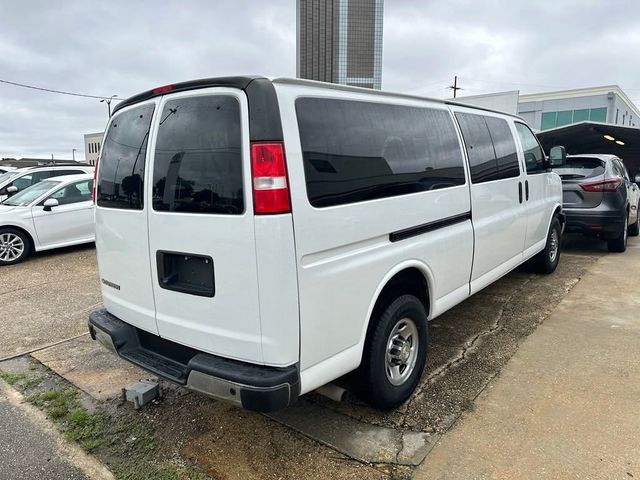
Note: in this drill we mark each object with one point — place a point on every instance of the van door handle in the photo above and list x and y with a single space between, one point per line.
520 191
526 190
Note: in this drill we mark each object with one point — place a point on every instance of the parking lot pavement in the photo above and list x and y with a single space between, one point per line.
47 299
32 449
566 405
469 345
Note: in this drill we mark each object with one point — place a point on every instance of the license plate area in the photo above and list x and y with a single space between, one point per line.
186 273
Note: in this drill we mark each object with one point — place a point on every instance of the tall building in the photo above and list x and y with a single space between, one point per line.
340 41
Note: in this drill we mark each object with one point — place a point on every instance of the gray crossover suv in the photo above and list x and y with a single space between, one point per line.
599 198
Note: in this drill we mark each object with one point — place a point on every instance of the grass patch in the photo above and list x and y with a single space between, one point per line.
85 428
56 403
124 441
32 383
12 378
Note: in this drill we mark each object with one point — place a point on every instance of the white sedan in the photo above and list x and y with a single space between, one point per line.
53 213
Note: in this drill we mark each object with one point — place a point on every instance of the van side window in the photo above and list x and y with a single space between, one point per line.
490 146
533 154
123 158
198 159
504 146
482 156
357 151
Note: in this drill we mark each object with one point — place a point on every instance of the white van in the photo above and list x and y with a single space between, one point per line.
260 238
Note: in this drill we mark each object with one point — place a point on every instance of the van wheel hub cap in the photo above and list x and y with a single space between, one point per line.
11 247
402 351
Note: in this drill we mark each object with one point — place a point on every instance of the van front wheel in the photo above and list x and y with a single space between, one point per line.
394 354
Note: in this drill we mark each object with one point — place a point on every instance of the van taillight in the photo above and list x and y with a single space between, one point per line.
95 177
602 185
269 179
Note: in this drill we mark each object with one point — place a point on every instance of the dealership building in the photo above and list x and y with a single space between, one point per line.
607 104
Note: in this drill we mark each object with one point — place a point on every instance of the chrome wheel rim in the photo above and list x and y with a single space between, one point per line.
554 245
402 351
11 247
625 232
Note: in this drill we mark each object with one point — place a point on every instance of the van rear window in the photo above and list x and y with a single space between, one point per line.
357 151
198 158
122 161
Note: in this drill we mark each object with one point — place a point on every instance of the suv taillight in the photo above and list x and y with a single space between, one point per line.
95 176
269 179
602 185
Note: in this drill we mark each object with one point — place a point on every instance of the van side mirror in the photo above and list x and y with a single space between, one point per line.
636 179
49 203
12 190
557 156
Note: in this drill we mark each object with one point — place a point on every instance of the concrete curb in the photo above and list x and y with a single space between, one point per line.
91 467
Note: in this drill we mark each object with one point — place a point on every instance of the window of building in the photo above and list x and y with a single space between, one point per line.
598 114
358 151
123 160
533 154
617 116
549 120
564 118
568 117
198 158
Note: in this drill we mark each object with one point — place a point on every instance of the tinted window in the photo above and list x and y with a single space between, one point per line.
533 155
122 162
482 156
357 151
580 167
198 157
504 146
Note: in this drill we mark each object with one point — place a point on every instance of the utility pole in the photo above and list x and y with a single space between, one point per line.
108 102
73 153
455 86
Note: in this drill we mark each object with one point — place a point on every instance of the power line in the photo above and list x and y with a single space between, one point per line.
33 87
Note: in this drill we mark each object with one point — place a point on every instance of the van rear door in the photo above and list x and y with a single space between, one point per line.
201 224
121 218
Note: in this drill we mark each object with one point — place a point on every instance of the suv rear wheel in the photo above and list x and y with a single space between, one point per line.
619 244
395 353
634 230
547 260
14 246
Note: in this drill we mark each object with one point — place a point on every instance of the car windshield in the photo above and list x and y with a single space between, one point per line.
7 176
30 194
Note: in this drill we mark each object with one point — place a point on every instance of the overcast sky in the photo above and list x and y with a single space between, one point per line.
124 47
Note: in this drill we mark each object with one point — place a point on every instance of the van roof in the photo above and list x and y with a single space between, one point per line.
249 81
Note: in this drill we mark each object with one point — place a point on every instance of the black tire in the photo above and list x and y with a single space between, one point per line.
544 262
619 244
634 229
8 237
373 383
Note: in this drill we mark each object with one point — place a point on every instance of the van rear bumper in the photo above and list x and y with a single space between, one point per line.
254 387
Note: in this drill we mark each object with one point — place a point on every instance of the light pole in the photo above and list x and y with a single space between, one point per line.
108 102
73 154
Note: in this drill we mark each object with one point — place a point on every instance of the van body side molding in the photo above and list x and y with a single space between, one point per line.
428 227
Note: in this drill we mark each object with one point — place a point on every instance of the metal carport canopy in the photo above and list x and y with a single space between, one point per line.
589 137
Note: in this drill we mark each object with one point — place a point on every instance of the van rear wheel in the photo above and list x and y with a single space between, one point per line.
634 229
395 353
547 260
